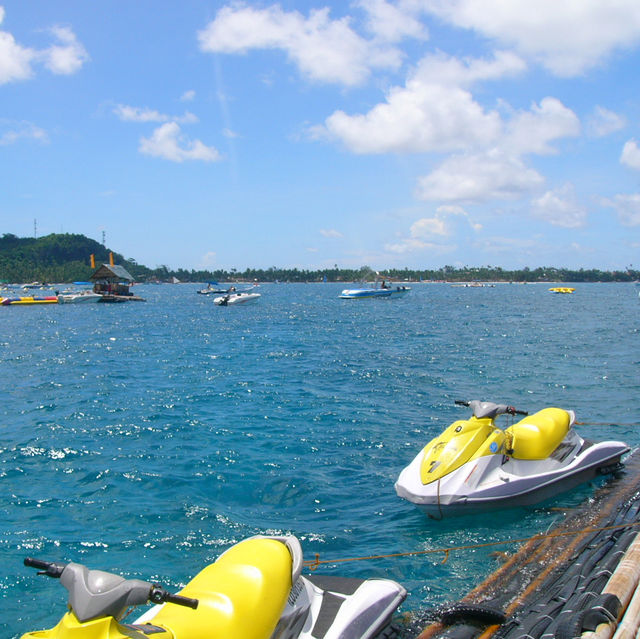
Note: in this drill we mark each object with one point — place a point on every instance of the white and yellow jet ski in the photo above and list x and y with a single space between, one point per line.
255 590
474 465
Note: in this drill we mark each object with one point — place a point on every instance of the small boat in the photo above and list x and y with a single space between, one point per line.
17 301
212 287
562 290
384 289
231 299
79 297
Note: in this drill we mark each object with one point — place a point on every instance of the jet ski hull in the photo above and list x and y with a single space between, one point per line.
495 481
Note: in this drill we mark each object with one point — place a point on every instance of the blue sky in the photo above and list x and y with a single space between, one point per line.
407 133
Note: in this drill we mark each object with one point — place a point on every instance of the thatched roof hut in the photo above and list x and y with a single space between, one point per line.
113 274
112 282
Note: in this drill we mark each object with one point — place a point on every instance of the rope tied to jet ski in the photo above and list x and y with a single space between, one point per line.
605 424
313 564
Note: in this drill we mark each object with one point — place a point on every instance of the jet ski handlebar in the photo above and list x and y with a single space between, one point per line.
159 595
489 409
156 593
51 569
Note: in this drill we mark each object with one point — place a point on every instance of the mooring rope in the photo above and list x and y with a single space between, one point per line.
605 424
312 564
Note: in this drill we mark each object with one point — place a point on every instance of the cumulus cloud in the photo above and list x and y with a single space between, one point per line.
188 96
168 142
446 70
568 38
323 49
532 131
627 206
631 155
434 111
391 22
432 232
479 177
418 118
604 122
16 61
68 56
560 208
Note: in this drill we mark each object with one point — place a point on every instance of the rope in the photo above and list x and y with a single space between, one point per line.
313 564
604 424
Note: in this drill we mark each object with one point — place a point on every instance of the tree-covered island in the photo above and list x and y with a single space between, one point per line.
65 257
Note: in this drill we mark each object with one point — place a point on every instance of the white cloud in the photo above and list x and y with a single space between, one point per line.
431 232
15 60
330 233
631 155
324 50
16 131
139 114
560 208
427 227
390 22
188 96
68 56
433 112
566 37
167 142
627 207
603 122
532 131
479 177
420 118
446 70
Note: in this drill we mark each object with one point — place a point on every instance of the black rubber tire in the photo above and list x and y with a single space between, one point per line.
571 626
471 612
603 609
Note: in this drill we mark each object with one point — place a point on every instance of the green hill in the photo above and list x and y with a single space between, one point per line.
52 258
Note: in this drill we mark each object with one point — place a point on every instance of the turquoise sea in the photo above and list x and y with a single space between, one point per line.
146 438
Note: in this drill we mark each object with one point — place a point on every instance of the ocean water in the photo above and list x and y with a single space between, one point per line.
145 438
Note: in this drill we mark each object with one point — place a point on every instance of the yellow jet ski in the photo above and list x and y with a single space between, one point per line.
474 465
255 590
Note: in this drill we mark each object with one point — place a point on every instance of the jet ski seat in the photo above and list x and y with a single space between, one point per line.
538 435
242 594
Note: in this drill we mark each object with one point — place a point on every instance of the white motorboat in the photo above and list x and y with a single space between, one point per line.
476 466
211 288
79 297
379 289
231 299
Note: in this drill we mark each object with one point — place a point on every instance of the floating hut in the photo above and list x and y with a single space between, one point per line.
113 282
